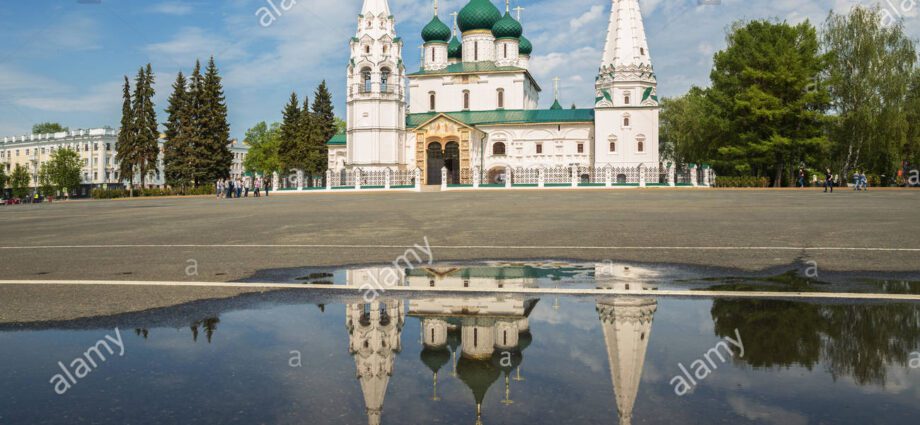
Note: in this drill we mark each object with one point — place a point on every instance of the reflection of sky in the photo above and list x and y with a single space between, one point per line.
243 375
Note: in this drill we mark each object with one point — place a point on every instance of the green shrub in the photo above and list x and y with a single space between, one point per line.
742 181
153 192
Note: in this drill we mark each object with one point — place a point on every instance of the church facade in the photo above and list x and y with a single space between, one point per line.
473 107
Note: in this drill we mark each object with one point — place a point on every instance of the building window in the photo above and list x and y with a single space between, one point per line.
626 122
581 148
642 51
498 148
539 148
640 146
367 50
613 146
506 51
431 101
501 98
466 99
384 79
385 49
366 76
475 51
626 99
432 54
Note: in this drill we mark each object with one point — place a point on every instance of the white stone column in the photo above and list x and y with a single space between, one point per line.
418 179
477 177
357 179
574 176
328 179
541 177
608 176
693 176
386 178
300 180
443 178
641 175
507 177
276 181
671 175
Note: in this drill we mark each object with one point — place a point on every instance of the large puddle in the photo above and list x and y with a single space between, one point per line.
296 356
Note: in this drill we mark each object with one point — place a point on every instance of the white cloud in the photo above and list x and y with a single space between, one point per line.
100 98
754 411
594 14
194 43
173 8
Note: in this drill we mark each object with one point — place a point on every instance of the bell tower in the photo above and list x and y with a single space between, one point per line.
626 99
376 102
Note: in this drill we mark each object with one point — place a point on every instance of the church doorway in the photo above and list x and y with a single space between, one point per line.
435 163
452 162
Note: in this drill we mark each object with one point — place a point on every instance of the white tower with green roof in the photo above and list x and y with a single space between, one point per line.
626 102
376 103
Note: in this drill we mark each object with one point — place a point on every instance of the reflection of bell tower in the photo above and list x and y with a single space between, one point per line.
374 340
627 324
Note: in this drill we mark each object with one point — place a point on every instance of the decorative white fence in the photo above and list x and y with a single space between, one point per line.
575 176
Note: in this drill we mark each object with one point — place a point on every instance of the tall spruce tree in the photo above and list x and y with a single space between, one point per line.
125 149
324 126
145 125
177 149
196 146
213 138
291 151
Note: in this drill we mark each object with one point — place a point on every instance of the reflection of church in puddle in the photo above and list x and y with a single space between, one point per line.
480 339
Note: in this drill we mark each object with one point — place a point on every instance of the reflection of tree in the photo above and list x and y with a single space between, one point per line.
210 326
858 340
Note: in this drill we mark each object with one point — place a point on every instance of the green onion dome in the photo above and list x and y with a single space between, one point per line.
478 15
436 31
507 27
526 48
455 49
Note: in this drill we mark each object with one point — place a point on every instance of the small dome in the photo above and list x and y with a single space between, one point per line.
436 31
526 48
478 15
507 27
455 49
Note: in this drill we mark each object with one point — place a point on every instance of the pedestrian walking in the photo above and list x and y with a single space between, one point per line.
239 188
828 180
267 186
258 186
220 188
801 181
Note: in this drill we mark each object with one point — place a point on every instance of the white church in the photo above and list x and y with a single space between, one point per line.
473 107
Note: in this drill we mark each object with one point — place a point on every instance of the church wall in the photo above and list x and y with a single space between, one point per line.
483 88
559 142
643 122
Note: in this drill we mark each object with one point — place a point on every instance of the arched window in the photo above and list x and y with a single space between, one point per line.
366 77
642 51
367 50
466 99
475 51
501 98
626 99
432 54
384 79
385 49
613 143
431 101
626 120
640 143
498 148
506 51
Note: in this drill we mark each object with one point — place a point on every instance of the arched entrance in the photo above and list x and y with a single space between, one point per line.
452 162
435 163
496 176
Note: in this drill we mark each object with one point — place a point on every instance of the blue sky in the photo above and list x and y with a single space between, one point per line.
64 60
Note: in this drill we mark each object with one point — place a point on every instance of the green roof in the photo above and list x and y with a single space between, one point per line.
436 31
526 47
556 105
478 15
338 139
471 68
507 27
455 49
507 116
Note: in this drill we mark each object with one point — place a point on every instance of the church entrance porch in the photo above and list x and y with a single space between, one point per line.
435 163
443 142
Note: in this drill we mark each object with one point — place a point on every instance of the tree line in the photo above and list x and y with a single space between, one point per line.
784 97
196 147
298 142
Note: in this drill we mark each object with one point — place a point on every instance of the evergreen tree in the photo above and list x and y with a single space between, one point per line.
291 150
763 88
195 125
125 150
178 148
145 125
215 156
324 127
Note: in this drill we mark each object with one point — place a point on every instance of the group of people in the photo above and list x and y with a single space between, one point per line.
240 188
860 181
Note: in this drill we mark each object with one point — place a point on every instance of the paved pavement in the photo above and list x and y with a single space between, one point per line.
225 240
